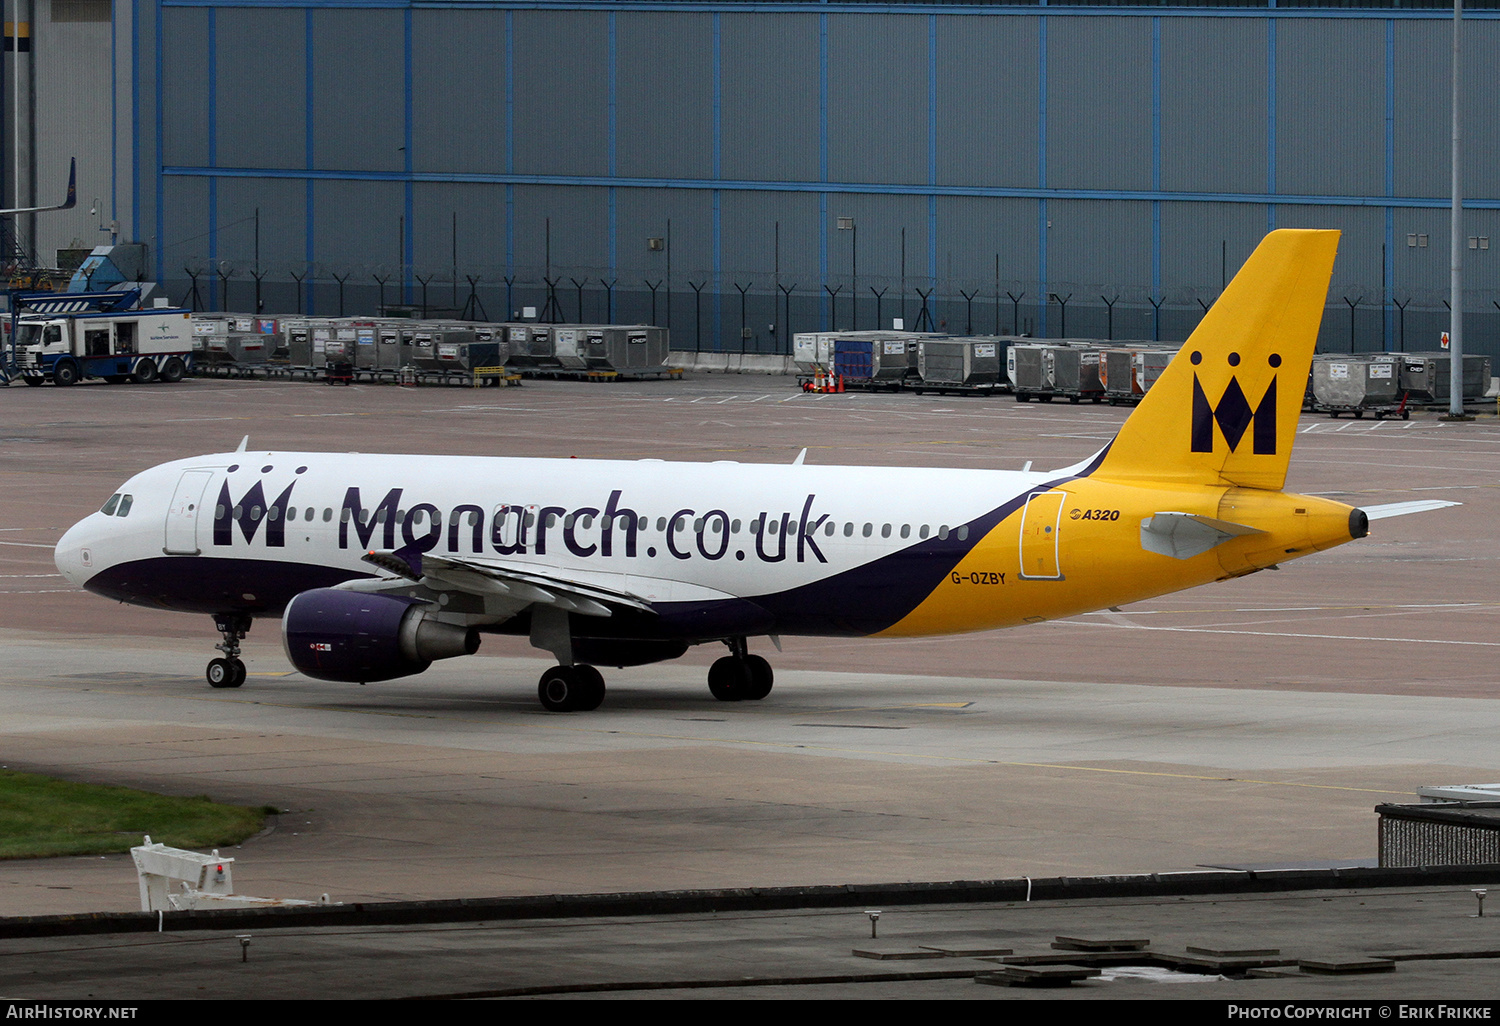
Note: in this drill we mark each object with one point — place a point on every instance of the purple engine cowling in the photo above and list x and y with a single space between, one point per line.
358 638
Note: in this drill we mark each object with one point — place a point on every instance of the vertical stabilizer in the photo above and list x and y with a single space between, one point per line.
1225 410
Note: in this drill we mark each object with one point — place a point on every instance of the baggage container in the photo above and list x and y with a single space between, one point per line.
570 348
298 339
1075 372
497 339
959 362
392 345
518 339
1356 384
1028 372
647 347
365 354
1149 364
434 348
544 348
812 349
1128 369
1426 376
881 361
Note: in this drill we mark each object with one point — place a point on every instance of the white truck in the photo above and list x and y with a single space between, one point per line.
130 345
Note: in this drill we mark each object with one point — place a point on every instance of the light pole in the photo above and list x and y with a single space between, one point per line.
1456 241
846 224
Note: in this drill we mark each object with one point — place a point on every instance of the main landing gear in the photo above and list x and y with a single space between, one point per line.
740 676
737 677
228 672
571 688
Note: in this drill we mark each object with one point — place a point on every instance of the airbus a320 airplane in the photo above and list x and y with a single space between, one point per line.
378 565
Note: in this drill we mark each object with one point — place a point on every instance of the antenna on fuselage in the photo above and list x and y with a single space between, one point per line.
243 443
800 457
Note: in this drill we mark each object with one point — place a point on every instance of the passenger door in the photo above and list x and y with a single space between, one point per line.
1039 530
184 513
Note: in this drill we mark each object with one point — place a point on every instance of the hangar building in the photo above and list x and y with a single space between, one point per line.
747 170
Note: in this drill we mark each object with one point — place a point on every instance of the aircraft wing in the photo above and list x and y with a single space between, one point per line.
522 586
1401 509
67 204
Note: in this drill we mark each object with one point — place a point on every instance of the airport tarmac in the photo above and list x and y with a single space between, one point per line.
1249 723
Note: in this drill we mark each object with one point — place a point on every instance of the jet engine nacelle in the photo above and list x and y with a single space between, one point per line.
349 636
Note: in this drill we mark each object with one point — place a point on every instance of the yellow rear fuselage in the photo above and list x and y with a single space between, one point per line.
1077 547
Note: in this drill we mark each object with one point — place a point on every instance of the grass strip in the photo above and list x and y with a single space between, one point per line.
42 817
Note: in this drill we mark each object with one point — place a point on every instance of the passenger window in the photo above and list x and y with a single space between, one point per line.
109 507
963 533
849 529
906 530
885 531
869 529
828 531
943 532
922 531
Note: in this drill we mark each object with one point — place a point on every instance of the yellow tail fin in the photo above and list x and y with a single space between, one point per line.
1225 410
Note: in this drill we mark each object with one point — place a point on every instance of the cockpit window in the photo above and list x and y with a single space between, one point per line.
109 507
124 509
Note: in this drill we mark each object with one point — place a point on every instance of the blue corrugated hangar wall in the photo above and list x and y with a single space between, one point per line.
1092 169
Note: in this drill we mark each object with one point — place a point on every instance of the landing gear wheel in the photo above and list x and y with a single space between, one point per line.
564 689
225 673
174 371
729 679
228 672
144 373
761 678
590 684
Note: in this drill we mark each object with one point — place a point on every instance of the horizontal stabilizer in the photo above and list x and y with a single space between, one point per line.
1401 509
1185 535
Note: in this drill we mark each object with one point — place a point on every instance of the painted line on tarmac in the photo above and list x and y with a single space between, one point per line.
1282 634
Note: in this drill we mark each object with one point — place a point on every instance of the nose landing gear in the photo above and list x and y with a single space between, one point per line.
228 672
740 676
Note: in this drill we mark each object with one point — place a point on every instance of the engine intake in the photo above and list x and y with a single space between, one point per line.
348 636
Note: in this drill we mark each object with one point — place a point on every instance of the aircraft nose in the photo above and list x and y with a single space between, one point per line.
74 554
